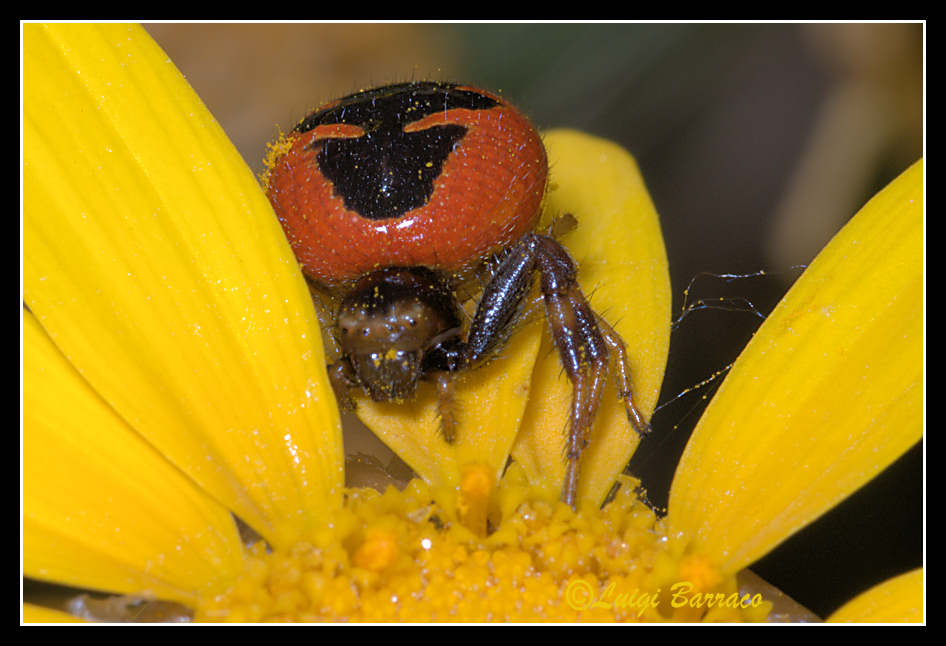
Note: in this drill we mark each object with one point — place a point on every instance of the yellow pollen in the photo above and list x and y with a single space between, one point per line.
378 551
476 489
700 572
274 151
401 557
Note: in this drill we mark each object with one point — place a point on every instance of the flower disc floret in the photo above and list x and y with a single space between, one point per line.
398 556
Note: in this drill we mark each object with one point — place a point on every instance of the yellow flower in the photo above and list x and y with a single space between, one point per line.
174 378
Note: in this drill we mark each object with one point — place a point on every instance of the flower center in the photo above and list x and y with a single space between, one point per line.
397 556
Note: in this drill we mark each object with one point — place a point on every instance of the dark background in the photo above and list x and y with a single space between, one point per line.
757 142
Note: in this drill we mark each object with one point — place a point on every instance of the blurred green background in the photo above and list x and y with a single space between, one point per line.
757 142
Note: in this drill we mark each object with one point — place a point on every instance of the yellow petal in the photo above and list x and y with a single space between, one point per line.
622 264
897 600
33 614
101 508
154 262
826 395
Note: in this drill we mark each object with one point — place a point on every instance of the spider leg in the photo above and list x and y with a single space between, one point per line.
587 386
583 340
446 406
616 344
342 377
582 349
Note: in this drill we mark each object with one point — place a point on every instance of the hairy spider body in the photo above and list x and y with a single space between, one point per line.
389 193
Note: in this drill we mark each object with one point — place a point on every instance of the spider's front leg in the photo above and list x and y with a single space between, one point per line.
582 339
582 349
